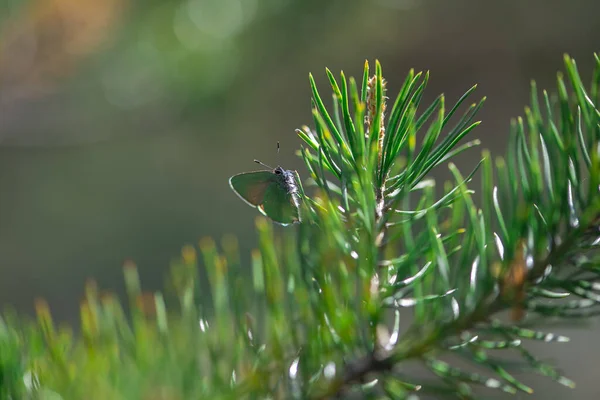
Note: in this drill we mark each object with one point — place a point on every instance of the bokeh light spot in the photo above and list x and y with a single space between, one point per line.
220 19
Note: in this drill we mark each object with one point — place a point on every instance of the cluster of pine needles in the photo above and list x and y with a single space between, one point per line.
385 270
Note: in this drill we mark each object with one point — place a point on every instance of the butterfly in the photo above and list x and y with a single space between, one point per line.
274 192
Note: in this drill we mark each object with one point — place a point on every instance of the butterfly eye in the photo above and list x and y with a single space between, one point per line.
277 171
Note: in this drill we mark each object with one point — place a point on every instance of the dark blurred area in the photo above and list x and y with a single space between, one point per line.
122 120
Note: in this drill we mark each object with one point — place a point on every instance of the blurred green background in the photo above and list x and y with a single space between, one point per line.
122 120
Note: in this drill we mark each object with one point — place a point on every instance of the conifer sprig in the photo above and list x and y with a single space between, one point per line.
527 243
322 310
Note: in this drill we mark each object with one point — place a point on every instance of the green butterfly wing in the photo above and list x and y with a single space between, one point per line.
268 192
251 186
280 205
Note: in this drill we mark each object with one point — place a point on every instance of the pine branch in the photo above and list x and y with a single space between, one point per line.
319 315
415 346
517 277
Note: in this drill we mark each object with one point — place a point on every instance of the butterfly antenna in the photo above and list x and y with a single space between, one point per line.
263 164
278 152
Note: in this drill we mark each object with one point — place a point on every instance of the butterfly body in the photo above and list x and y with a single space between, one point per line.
275 193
